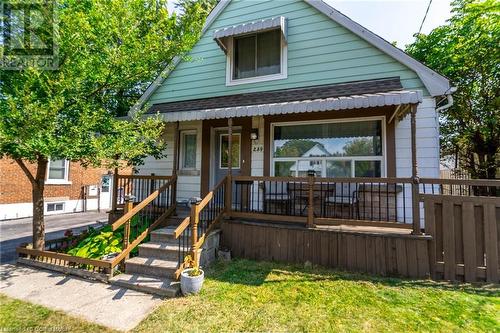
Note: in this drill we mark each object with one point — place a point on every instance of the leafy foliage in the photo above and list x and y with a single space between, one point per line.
466 50
104 241
109 52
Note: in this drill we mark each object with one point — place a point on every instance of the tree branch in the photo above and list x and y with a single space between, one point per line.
27 172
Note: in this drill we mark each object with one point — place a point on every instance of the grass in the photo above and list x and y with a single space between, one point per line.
19 316
258 296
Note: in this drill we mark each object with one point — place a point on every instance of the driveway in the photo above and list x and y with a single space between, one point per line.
15 232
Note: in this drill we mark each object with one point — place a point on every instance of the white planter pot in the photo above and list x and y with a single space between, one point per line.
191 284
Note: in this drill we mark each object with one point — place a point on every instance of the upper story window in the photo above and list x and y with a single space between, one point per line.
257 55
57 171
256 51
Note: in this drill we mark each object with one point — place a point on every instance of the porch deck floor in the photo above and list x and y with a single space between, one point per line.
368 230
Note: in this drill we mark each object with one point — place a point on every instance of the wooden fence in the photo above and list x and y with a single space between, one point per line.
465 237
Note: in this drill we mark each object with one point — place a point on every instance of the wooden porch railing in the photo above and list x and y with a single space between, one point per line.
384 202
150 213
138 186
380 202
204 216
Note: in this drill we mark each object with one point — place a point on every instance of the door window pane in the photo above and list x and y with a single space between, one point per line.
57 169
224 154
367 169
189 151
340 169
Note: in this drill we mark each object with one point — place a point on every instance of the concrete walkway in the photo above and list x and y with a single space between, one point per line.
103 304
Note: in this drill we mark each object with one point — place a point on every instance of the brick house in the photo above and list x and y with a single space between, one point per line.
69 188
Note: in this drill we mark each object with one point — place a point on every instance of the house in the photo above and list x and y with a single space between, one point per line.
272 90
291 71
69 188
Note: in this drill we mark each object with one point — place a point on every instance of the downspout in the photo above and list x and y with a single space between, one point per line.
449 97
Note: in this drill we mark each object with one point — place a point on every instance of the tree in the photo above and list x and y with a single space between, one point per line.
466 50
109 51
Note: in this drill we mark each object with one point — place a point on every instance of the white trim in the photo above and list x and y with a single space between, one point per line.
58 181
383 158
239 151
181 146
283 74
435 83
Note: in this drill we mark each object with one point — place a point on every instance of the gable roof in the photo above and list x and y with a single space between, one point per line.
436 84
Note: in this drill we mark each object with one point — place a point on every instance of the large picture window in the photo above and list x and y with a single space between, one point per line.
330 149
257 55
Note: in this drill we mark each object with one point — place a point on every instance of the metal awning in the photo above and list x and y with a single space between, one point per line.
221 35
401 97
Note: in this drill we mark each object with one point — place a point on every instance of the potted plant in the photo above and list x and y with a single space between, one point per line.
191 278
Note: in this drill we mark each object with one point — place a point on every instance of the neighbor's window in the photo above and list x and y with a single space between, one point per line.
335 149
58 170
257 55
188 150
55 207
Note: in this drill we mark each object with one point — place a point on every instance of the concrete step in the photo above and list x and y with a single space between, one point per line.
164 235
147 284
151 266
161 250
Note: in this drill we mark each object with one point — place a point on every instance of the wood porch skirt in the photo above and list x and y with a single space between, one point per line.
385 254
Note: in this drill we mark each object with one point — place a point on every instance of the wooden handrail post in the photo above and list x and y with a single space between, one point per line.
229 196
310 207
414 170
194 233
129 205
115 190
152 184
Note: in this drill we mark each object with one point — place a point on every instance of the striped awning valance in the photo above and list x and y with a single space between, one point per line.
221 35
401 97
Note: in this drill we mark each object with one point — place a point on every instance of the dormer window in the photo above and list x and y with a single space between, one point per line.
256 51
257 55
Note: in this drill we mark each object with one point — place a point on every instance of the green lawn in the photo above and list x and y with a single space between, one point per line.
18 316
255 296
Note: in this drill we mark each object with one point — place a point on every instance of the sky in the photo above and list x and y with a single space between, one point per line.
393 20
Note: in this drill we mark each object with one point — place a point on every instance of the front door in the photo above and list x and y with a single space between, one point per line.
221 155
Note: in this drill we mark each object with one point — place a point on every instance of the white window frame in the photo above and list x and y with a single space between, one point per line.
55 211
183 133
283 74
64 181
382 159
220 151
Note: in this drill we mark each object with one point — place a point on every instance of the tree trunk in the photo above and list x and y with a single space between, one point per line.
37 189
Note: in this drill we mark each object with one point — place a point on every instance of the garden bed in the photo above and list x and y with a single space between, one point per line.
87 255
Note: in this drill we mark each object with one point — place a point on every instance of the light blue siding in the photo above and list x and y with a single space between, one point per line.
319 52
